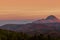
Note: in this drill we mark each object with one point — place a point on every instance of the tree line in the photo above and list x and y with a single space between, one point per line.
11 35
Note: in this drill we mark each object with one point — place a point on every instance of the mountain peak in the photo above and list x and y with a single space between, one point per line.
51 17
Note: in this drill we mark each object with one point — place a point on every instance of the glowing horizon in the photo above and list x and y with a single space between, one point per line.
28 9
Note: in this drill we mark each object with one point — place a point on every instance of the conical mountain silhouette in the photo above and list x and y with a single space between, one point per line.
51 17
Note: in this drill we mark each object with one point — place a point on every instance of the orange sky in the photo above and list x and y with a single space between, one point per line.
28 9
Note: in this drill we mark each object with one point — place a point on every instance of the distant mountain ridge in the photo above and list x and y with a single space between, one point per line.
51 23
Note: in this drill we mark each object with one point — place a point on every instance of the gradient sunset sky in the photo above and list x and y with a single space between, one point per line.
28 9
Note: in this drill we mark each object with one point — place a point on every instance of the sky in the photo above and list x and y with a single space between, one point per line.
28 9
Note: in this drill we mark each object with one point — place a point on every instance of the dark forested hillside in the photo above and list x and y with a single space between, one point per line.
10 35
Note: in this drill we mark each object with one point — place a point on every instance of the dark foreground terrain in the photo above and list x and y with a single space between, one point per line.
11 35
